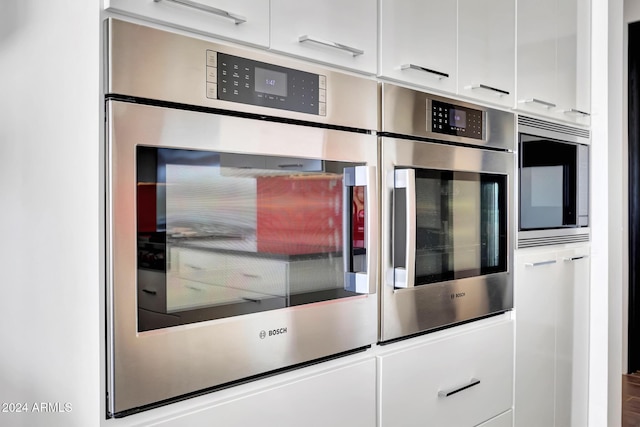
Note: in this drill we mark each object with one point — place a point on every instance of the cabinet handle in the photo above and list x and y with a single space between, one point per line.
447 393
193 288
404 277
537 101
237 19
578 112
291 165
491 88
194 267
250 276
150 291
354 51
438 74
575 258
538 264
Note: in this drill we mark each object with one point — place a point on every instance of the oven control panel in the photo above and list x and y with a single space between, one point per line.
456 120
237 79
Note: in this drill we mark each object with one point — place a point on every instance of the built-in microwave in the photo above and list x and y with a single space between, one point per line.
553 185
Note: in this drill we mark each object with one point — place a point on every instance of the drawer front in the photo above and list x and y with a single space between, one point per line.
459 380
263 276
502 420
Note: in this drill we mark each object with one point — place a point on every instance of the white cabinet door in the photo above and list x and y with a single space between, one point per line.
340 33
418 42
536 282
536 52
486 50
246 21
573 60
572 339
453 379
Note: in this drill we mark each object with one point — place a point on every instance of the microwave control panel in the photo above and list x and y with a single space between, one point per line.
449 119
237 79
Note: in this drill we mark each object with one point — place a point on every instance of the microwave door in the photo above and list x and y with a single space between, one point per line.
405 229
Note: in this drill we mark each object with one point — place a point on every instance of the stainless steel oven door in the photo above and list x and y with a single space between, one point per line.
236 247
446 227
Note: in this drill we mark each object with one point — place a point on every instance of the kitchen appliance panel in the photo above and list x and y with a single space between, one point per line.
165 66
156 365
421 308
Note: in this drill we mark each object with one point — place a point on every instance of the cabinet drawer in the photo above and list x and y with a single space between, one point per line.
239 20
457 380
263 276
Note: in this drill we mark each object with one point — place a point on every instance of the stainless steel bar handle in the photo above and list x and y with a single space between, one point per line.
438 74
537 101
538 264
575 258
405 277
447 393
574 111
490 88
354 51
238 19
361 282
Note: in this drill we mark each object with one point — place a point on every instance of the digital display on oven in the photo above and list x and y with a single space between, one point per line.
457 118
271 82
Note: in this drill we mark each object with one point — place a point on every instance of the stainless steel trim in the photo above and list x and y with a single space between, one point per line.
528 239
539 127
407 112
422 308
352 50
538 264
138 362
537 101
438 74
452 391
237 19
404 277
501 92
154 64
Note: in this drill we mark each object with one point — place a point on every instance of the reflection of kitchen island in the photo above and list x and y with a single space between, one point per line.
213 272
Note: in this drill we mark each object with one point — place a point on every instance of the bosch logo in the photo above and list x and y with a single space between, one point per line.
263 334
272 332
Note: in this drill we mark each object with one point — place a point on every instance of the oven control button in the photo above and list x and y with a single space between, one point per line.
322 82
322 109
322 95
212 91
212 58
212 75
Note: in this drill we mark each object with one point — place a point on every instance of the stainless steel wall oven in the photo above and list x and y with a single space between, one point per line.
242 215
447 197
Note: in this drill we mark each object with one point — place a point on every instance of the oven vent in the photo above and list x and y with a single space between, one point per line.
553 127
532 242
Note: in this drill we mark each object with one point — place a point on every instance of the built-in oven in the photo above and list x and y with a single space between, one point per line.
242 215
553 166
447 195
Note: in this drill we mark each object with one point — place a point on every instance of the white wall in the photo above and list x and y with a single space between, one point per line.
50 199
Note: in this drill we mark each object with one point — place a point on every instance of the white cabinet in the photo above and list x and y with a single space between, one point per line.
553 65
458 377
246 21
336 32
486 50
418 42
552 328
465 47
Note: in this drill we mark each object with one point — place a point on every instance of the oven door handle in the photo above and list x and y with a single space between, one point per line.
405 277
360 282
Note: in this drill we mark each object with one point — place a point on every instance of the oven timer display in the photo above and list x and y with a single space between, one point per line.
449 119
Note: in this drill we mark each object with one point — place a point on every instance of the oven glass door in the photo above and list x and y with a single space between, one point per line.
223 234
449 225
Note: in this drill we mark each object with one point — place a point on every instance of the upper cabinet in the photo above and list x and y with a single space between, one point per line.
465 47
486 50
336 32
553 66
246 21
418 43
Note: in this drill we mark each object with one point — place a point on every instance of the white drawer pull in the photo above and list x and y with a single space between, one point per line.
352 50
575 258
238 19
538 264
438 74
537 101
447 393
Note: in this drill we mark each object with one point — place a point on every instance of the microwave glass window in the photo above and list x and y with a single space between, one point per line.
223 234
548 176
461 225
